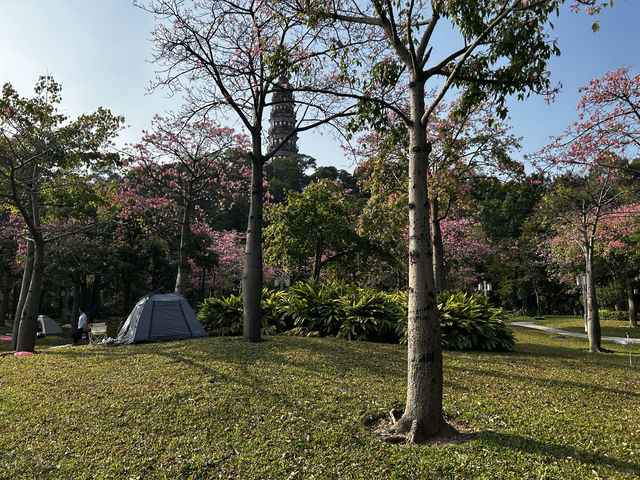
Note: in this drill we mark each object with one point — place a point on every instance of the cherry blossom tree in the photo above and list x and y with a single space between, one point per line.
233 56
608 126
590 154
575 207
189 164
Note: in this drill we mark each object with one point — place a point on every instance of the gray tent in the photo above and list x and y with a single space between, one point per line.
157 318
47 326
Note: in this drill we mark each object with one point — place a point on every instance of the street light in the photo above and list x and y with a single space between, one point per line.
484 287
581 280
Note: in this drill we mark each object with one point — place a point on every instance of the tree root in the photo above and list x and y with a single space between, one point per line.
396 429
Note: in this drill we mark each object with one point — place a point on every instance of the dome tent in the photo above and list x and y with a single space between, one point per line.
158 318
47 326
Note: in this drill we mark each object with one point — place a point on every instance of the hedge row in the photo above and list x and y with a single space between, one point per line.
617 315
312 308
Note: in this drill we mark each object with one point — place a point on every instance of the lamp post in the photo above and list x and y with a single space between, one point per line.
484 287
581 281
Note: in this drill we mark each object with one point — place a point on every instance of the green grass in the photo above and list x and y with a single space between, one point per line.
297 408
610 328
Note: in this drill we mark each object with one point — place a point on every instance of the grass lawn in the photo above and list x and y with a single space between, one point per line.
610 328
299 408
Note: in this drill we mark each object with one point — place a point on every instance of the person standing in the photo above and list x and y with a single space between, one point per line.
82 325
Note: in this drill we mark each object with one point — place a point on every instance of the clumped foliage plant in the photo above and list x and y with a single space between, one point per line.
222 316
337 309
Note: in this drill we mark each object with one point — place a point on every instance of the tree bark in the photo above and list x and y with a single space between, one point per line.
183 264
252 270
423 416
24 288
65 304
439 272
593 318
94 312
28 321
75 306
633 321
318 259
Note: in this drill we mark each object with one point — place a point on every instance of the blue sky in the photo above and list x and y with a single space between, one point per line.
100 51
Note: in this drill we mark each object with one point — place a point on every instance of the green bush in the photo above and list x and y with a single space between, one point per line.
313 308
617 315
222 316
370 315
469 322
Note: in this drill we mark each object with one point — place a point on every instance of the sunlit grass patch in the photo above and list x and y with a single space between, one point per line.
299 408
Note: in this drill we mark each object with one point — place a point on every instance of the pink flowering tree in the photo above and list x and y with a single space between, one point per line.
465 246
139 226
575 207
619 246
607 128
596 177
223 275
189 165
233 56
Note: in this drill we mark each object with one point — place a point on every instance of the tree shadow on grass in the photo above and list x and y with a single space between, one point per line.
545 381
556 451
322 353
576 353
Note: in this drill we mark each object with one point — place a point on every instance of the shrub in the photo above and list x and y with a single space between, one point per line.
313 308
616 315
469 322
222 316
370 315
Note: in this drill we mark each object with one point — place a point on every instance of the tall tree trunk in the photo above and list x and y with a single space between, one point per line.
183 264
439 272
538 306
593 318
633 321
252 270
423 417
6 291
83 291
24 288
94 312
65 304
203 279
28 321
318 259
75 306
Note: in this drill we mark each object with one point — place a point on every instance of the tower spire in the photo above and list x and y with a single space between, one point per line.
282 120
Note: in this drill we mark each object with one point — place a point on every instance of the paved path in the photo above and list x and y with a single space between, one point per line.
618 340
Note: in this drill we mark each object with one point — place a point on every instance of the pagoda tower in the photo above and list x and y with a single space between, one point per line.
283 119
